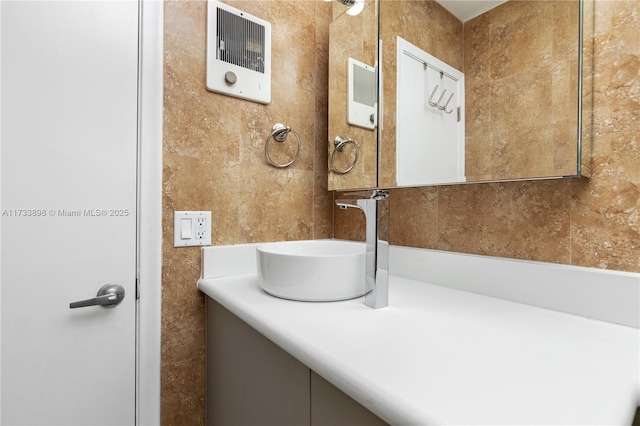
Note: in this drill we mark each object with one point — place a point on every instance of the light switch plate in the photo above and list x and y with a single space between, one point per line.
191 228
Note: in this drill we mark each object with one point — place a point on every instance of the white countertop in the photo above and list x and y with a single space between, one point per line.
438 355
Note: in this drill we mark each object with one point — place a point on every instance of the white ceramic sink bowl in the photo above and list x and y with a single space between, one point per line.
312 270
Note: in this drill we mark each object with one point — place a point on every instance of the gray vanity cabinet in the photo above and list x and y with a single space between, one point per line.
332 407
251 381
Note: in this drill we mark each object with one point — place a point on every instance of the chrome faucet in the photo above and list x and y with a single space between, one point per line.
375 205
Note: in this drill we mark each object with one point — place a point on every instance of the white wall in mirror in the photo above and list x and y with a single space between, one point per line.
430 119
465 9
362 102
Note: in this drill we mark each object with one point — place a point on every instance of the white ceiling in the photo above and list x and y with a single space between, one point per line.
469 9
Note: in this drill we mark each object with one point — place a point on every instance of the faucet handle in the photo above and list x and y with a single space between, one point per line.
380 194
376 194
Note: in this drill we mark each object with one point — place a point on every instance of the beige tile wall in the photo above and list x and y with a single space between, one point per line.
214 160
594 223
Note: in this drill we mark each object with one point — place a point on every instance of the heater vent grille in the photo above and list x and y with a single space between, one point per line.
238 53
240 41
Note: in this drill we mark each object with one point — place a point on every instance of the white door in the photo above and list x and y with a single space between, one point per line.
69 140
430 146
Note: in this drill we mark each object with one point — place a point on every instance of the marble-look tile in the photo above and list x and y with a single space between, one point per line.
185 20
477 110
449 47
565 148
184 333
509 12
276 206
182 392
478 157
617 61
449 23
524 220
195 127
420 19
387 155
519 44
616 28
521 102
606 218
413 214
477 51
566 29
523 154
617 95
323 19
564 91
293 64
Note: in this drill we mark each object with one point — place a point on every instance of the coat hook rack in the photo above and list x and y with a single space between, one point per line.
438 104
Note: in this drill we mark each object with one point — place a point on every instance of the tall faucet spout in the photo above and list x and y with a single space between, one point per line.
346 203
375 206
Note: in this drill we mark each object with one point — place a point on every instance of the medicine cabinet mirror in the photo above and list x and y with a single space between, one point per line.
421 93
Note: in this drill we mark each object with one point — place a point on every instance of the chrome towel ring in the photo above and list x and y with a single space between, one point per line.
340 143
279 134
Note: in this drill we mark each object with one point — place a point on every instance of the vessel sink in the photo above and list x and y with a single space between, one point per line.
312 270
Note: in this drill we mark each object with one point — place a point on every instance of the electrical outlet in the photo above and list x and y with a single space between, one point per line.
201 228
191 228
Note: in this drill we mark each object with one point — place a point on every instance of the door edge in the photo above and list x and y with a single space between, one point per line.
149 248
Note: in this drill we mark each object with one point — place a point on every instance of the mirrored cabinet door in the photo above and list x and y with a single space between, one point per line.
353 98
498 92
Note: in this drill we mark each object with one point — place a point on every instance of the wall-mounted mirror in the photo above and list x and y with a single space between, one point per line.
353 131
499 92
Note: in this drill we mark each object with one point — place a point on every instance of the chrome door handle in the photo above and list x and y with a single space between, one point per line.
108 296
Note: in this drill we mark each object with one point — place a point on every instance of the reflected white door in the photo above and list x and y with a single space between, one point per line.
430 147
69 75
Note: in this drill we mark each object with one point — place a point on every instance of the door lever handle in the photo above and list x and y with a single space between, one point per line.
108 296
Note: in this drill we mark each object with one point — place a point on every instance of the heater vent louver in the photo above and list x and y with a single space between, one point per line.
240 41
238 53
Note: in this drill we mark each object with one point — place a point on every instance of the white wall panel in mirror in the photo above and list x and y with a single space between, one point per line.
429 120
362 99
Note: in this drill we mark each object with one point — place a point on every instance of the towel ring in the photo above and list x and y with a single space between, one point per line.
340 143
279 134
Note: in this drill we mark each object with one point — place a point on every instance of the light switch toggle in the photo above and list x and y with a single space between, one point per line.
185 229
